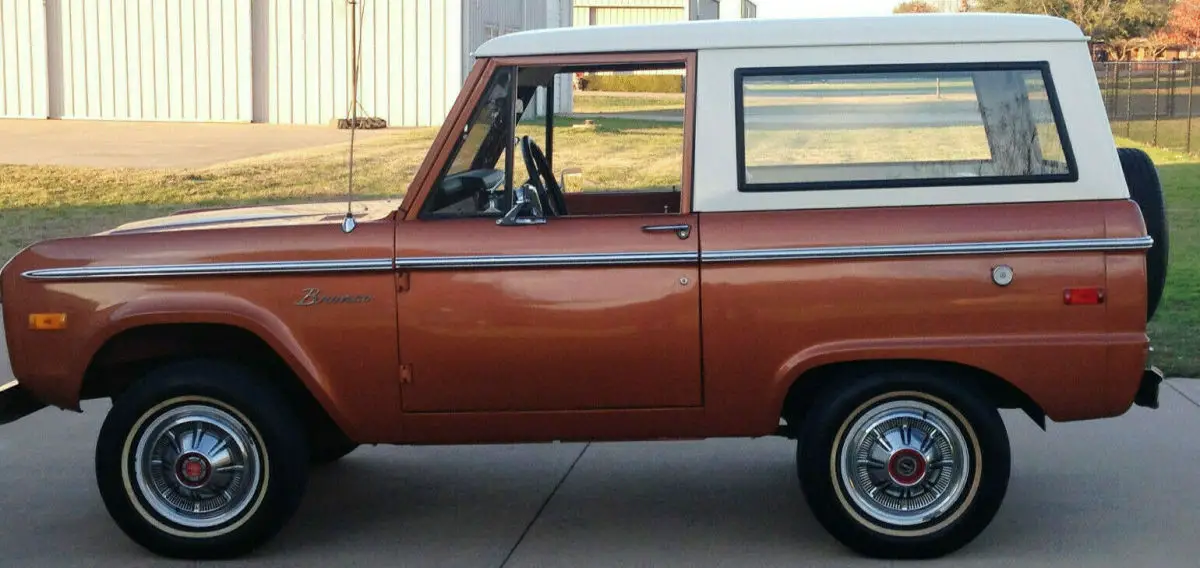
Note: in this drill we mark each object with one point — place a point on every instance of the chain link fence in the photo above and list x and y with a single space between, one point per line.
1152 101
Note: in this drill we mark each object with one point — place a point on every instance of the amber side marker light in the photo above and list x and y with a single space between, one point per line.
47 322
1083 296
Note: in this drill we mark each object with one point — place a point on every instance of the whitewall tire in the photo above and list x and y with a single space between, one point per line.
201 459
904 464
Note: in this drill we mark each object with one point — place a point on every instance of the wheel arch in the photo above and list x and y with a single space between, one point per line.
125 355
805 388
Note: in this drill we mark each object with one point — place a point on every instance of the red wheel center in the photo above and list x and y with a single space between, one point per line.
907 467
192 469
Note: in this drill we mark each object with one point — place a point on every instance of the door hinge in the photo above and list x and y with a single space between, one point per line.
402 282
405 373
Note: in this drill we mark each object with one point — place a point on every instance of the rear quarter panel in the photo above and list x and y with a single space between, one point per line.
766 323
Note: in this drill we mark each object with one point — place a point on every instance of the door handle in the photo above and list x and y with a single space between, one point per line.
681 230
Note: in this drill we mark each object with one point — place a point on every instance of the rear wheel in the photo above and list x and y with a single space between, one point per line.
903 464
201 460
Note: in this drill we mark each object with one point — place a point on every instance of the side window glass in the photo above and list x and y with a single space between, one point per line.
474 178
624 130
589 140
1049 143
893 128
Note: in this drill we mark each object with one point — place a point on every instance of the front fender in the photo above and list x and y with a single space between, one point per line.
211 308
344 352
59 380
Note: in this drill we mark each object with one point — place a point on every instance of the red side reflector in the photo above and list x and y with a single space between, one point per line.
1083 296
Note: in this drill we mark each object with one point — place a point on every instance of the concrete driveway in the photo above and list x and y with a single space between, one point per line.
154 144
1119 492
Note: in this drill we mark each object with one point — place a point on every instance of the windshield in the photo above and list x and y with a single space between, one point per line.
489 122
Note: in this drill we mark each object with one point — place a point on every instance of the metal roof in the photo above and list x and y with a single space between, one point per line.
806 32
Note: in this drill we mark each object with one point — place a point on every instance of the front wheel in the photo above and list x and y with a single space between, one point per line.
330 448
904 464
201 460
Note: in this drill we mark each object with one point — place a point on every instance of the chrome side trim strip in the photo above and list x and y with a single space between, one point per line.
209 269
597 259
544 260
886 251
9 385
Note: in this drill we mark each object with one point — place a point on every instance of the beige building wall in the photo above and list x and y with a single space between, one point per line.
410 67
149 60
23 65
628 12
277 61
633 12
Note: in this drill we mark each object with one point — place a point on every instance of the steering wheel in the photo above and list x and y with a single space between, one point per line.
542 178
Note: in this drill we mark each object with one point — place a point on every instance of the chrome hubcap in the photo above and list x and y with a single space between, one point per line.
904 463
197 466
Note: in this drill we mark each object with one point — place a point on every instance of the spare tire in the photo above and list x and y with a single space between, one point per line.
1144 187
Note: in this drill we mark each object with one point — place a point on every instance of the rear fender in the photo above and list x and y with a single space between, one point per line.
1066 377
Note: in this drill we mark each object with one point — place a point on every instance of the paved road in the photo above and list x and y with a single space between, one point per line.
6 373
1118 492
154 144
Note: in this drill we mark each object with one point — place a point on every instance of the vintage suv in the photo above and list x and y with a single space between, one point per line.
865 234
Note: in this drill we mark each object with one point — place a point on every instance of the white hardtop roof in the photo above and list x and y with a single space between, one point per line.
803 32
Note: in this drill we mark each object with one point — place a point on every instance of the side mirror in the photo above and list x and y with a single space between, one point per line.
526 209
573 173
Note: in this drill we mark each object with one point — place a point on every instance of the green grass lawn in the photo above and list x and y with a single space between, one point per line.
39 202
592 102
1172 134
1173 329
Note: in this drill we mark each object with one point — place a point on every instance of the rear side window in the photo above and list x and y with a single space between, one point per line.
899 126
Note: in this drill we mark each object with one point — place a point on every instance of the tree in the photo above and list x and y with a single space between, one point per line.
914 7
1112 22
1183 25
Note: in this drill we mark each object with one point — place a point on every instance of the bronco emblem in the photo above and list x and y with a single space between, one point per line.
312 297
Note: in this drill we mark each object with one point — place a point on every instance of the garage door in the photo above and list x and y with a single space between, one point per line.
175 60
23 59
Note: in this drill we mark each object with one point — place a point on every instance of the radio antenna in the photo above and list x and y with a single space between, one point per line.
349 223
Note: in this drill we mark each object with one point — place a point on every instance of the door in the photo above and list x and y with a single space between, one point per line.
574 314
518 293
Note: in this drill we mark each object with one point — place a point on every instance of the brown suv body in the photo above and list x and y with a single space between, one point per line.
766 324
717 308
